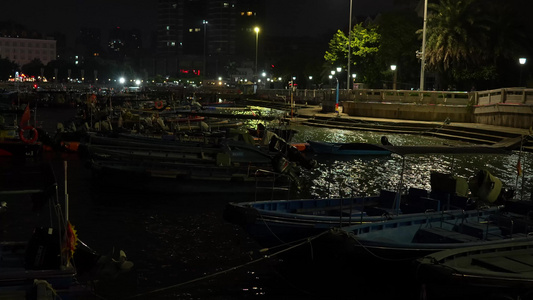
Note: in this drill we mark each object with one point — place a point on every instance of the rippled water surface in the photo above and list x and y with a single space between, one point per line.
179 242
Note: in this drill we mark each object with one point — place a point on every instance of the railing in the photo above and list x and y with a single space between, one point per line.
449 98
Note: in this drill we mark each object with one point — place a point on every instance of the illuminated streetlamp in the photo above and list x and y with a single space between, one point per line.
393 68
336 90
205 45
256 29
522 61
349 46
423 52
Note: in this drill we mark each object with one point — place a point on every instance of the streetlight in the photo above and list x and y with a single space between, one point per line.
353 79
423 54
349 46
393 68
522 61
256 29
336 90
205 44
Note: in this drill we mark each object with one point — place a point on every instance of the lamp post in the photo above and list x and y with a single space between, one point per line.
522 61
256 29
292 95
393 68
353 80
423 54
349 47
205 45
336 91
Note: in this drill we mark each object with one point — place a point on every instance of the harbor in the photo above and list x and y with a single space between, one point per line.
181 245
263 150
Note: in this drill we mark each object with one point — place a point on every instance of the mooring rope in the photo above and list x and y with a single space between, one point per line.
305 241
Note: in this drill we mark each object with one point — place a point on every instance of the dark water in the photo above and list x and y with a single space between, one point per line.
181 246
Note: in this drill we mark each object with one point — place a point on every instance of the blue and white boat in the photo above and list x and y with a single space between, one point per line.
276 222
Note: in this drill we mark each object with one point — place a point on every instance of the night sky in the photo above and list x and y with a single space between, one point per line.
284 17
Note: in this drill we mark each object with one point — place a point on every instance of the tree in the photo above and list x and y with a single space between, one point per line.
399 43
365 44
7 68
457 32
33 68
470 42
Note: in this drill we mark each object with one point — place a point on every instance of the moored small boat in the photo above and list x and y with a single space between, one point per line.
505 269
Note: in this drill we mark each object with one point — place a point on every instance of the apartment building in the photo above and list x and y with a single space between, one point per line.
22 51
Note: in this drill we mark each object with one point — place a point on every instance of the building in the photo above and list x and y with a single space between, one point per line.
22 51
202 37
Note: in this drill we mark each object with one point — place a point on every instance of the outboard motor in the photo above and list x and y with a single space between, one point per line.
385 141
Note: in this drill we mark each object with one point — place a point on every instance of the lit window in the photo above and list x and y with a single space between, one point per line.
168 27
242 13
249 13
226 4
173 44
190 29
196 29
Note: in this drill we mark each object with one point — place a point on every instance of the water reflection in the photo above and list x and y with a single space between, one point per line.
342 176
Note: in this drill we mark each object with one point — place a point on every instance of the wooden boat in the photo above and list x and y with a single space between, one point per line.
41 253
386 250
177 166
172 178
20 141
285 221
17 148
504 269
276 222
347 148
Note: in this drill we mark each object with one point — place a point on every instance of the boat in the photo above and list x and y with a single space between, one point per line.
386 250
41 252
21 140
278 222
504 269
284 221
164 165
330 148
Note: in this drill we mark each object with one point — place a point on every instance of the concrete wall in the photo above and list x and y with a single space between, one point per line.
510 107
408 111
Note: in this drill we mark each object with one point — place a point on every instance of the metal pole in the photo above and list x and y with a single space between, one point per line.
337 96
205 46
256 46
423 61
349 47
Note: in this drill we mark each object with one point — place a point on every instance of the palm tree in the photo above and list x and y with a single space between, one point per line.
472 41
457 34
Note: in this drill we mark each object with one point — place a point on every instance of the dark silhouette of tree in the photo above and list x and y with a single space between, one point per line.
33 68
7 68
399 43
469 42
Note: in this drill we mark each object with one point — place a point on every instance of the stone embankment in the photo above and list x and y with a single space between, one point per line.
478 133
